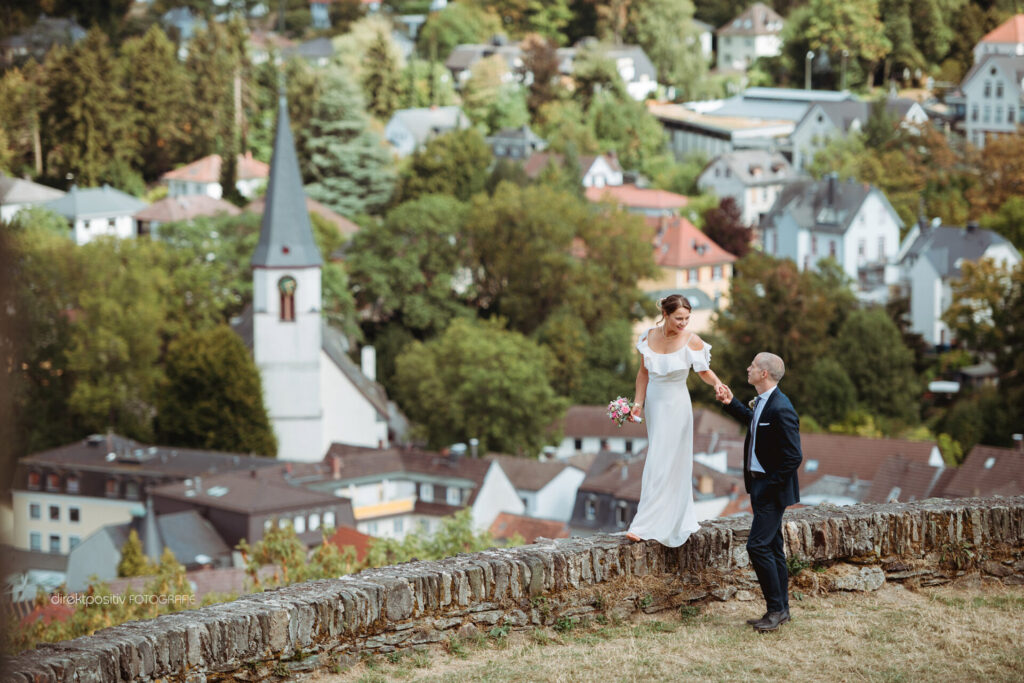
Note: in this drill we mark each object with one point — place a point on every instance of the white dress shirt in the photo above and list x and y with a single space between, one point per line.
755 465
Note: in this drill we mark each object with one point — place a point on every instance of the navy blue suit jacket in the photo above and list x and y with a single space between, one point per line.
777 448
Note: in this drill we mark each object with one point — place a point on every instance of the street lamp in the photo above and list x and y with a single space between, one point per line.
807 70
842 82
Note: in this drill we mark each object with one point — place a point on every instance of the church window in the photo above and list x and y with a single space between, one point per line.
286 286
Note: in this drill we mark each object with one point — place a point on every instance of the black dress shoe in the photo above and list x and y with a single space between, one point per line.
757 619
772 621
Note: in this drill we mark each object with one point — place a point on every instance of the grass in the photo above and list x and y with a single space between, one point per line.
953 633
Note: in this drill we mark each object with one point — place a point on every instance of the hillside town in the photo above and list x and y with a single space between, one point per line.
361 277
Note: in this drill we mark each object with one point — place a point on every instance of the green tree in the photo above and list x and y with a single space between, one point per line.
986 314
159 98
879 365
1008 221
457 24
482 88
479 380
427 84
86 121
404 269
351 49
216 58
43 273
627 128
22 99
381 81
533 250
453 164
609 365
830 392
118 336
593 73
776 307
349 169
133 560
665 29
213 397
293 563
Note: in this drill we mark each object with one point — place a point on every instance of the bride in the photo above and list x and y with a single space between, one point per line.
666 510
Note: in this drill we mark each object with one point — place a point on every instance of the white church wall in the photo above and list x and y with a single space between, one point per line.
348 416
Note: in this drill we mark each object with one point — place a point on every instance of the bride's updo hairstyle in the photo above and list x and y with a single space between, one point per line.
672 303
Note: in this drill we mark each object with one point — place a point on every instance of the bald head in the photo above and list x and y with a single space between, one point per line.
771 364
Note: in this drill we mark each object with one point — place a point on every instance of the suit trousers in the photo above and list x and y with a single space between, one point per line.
766 548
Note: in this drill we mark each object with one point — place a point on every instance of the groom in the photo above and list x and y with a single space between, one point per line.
771 458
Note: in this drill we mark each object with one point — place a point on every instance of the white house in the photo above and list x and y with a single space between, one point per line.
315 395
547 489
399 491
632 63
752 177
930 259
850 222
17 194
98 211
828 120
755 33
203 177
993 92
600 170
410 129
1006 39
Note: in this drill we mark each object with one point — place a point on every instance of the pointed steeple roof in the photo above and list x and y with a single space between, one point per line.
286 234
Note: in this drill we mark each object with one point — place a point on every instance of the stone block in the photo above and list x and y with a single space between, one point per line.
849 578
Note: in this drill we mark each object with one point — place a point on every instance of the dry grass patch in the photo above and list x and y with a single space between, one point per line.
894 634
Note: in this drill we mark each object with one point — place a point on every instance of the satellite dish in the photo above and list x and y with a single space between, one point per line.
204 559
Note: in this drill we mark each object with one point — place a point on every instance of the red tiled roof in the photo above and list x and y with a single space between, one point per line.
347 536
679 244
593 421
1010 31
914 481
506 525
185 207
986 470
207 170
847 456
637 197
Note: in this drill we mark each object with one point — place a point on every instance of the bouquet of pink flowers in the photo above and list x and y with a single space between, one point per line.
619 411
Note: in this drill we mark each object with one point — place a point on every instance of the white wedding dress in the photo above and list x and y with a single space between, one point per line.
666 511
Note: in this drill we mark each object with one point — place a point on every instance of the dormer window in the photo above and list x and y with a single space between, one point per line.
590 508
286 286
35 481
111 488
53 482
71 484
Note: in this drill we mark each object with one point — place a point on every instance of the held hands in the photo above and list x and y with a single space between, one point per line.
723 393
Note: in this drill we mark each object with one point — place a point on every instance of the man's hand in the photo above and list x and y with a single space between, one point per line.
723 393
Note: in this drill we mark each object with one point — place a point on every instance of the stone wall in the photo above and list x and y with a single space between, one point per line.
326 623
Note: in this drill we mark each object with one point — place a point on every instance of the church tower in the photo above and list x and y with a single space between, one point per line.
287 334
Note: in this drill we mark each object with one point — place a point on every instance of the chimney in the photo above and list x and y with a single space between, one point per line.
833 180
368 355
252 473
624 472
474 445
336 467
456 452
972 226
734 491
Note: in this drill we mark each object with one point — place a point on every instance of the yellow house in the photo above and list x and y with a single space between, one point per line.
689 263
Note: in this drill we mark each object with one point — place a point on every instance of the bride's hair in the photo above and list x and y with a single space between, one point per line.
672 303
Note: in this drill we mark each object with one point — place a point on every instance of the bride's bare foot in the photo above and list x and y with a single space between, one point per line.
633 537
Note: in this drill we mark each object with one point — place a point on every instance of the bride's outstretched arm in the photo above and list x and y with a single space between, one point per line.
711 379
641 390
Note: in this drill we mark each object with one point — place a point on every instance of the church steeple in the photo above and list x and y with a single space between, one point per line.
286 234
